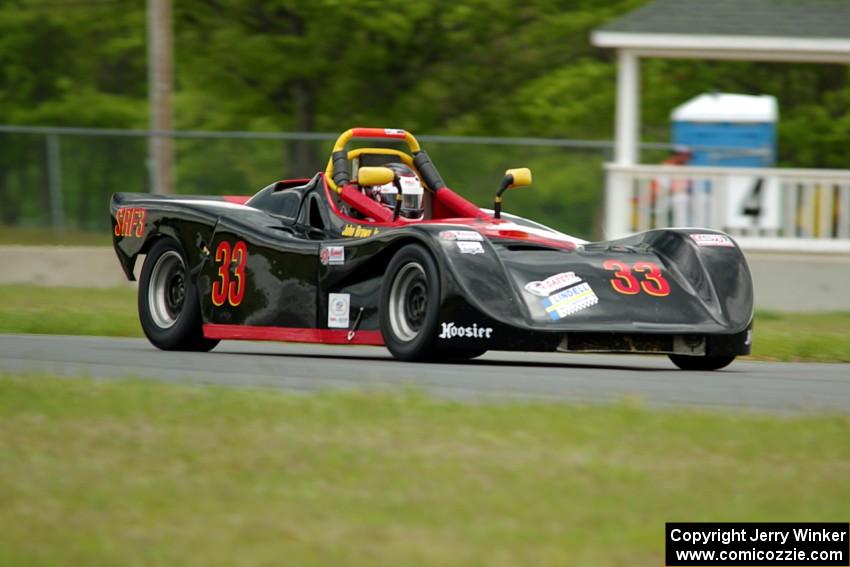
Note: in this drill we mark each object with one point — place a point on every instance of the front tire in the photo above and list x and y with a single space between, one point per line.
701 362
169 307
459 355
410 302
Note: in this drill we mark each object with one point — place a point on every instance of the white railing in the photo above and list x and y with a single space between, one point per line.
768 209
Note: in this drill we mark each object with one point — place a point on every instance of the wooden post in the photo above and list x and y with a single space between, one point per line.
160 73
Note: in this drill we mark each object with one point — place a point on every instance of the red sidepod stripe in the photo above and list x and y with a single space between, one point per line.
236 199
291 334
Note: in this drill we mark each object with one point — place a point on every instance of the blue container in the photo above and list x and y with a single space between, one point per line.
727 130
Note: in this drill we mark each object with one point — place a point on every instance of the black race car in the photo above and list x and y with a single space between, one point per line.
320 260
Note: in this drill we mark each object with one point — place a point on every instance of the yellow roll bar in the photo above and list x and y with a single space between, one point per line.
337 168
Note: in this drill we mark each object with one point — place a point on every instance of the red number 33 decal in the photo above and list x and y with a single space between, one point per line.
226 289
625 282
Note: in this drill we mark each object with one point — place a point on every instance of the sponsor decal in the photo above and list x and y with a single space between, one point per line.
713 240
467 247
624 281
552 284
461 235
394 132
338 308
229 285
749 340
130 221
332 255
357 231
569 301
452 331
409 185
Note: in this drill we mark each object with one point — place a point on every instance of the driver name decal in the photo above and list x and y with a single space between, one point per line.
357 231
452 331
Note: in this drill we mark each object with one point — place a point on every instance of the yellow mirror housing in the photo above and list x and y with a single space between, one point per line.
375 175
521 175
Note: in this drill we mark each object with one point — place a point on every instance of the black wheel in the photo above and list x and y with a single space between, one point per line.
701 362
169 309
410 300
457 355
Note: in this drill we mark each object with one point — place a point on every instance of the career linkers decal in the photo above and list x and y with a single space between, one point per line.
574 296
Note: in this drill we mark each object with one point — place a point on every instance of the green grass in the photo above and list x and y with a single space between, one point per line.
112 312
69 311
46 236
802 336
135 473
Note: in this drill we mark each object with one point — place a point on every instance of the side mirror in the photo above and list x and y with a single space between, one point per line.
375 176
381 176
519 177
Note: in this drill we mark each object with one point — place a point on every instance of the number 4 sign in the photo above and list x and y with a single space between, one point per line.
752 202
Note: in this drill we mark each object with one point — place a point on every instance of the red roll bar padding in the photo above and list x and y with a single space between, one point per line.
378 133
364 205
448 204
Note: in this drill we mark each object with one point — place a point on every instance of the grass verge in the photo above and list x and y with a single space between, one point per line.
69 311
135 473
48 237
802 336
823 337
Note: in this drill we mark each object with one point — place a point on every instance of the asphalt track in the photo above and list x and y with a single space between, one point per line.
783 387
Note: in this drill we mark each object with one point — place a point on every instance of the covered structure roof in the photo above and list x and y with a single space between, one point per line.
783 30
816 31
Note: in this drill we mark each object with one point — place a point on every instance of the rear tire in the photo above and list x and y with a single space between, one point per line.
701 362
169 307
410 302
458 355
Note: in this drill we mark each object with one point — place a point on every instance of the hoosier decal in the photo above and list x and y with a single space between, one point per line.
451 331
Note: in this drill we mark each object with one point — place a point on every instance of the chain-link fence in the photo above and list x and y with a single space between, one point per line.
62 178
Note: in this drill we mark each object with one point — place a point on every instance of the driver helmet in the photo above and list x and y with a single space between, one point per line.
412 194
